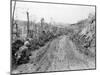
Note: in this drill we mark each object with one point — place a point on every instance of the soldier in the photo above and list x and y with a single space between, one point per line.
23 52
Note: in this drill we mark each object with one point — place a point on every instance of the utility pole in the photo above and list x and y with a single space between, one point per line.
27 24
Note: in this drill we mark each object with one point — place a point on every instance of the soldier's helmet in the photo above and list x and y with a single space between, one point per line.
26 43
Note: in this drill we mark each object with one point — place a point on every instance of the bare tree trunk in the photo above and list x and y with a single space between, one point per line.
17 33
13 11
12 19
13 14
27 24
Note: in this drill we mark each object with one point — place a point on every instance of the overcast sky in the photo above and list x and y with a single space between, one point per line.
52 12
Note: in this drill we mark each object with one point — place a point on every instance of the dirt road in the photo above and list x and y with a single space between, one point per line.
66 57
60 54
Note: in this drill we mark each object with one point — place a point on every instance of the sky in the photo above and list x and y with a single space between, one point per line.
57 13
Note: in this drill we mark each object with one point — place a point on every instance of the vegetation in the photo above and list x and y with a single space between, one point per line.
85 38
81 33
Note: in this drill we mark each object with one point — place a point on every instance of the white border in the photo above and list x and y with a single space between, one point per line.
5 37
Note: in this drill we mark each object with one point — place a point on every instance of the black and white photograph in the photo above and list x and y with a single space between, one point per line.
52 37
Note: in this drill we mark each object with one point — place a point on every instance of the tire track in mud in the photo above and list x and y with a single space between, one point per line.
43 63
66 56
74 57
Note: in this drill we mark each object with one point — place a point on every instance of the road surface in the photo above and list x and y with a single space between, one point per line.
58 55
